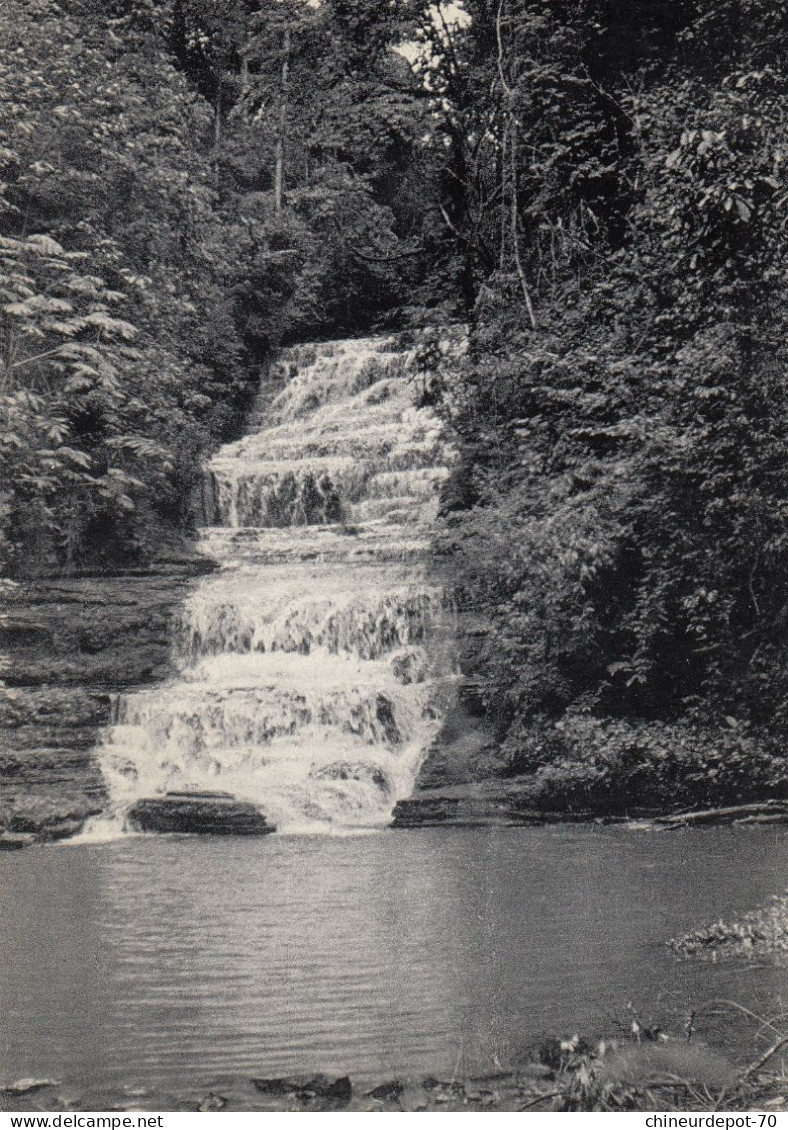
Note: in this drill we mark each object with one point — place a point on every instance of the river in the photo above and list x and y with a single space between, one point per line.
166 962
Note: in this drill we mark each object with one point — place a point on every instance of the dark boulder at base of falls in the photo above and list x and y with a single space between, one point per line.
206 814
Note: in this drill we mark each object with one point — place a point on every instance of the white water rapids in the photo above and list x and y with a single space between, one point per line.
314 665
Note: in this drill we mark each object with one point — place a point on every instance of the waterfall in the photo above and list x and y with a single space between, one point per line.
314 665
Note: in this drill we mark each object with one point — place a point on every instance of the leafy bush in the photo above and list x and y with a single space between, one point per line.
608 765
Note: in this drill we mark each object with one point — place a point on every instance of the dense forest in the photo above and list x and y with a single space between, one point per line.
621 511
184 185
597 188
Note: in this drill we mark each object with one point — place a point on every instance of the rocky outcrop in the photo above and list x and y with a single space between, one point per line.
459 781
68 645
308 1087
474 804
213 814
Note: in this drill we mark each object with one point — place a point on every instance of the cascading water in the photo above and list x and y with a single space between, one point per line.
315 664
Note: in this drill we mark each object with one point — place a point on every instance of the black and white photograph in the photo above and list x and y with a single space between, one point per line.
393 559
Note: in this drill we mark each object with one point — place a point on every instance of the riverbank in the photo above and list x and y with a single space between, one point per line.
582 768
644 1072
519 802
69 644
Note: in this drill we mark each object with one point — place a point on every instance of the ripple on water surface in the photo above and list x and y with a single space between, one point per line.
171 960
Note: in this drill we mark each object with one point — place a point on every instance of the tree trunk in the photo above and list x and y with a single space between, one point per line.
515 233
217 121
279 172
504 207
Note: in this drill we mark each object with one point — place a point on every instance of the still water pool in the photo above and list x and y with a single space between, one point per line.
168 961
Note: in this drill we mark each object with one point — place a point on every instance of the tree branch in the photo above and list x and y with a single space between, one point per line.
499 40
32 360
515 235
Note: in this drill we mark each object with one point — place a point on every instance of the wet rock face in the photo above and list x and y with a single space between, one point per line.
196 814
67 645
